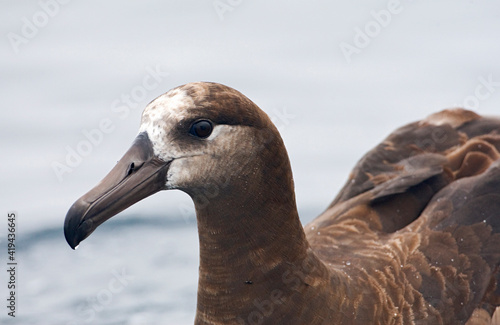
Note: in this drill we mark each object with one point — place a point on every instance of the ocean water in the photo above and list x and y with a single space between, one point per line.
75 76
146 275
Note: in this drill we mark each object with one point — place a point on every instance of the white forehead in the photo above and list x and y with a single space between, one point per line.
173 104
164 110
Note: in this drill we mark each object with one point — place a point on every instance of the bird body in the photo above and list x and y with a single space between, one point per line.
412 238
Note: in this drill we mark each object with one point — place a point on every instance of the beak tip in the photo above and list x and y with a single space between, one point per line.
73 231
71 240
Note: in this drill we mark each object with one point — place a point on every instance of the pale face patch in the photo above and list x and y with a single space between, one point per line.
160 116
220 154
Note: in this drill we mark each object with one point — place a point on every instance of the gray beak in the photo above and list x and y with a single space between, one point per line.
136 176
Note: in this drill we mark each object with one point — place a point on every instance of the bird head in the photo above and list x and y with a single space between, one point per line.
196 138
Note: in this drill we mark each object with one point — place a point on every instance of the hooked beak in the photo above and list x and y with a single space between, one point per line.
136 176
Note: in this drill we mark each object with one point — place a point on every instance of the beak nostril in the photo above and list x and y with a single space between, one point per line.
131 169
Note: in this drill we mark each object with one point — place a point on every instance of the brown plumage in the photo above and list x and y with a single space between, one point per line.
412 238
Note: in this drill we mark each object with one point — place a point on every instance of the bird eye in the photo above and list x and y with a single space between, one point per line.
201 129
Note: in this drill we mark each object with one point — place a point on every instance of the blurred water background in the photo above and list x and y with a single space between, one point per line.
74 77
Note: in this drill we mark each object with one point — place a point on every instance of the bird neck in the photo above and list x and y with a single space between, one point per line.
255 268
254 257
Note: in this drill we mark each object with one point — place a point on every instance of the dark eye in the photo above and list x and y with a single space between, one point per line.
201 129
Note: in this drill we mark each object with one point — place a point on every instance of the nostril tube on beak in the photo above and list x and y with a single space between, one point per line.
131 169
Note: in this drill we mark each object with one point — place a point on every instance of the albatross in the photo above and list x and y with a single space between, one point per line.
413 237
